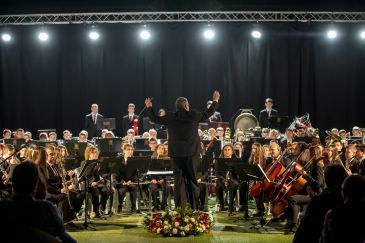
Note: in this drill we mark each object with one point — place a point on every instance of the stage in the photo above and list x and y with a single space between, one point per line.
128 227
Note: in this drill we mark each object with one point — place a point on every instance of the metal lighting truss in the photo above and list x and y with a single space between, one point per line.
150 17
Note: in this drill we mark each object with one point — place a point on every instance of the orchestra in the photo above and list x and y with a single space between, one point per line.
292 162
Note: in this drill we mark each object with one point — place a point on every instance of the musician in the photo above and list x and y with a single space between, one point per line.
19 133
238 147
43 136
351 164
152 143
126 180
99 185
216 117
158 182
6 133
153 133
91 121
331 155
212 133
220 133
128 120
266 150
356 132
265 114
340 149
130 137
28 136
265 133
12 162
360 156
83 135
67 135
52 137
314 185
224 181
184 146
289 136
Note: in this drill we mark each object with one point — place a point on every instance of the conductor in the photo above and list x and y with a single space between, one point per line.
184 146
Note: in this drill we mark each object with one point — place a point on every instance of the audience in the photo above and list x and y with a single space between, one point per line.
310 227
25 214
346 222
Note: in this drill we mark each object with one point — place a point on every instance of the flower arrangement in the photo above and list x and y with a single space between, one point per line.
180 222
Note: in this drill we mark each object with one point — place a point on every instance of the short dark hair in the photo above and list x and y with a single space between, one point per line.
334 175
25 177
180 102
361 147
353 187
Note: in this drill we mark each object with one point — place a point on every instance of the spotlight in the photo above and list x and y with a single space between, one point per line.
6 37
43 36
331 34
209 34
144 34
362 35
256 34
93 35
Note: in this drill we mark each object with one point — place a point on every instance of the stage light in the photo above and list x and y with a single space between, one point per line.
6 37
362 35
94 35
145 34
209 34
256 34
331 34
43 36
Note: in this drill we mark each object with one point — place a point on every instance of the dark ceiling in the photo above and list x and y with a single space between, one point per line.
64 6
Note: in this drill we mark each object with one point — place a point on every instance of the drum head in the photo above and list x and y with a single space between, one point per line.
245 121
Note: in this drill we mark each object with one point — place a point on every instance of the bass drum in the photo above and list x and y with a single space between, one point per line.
245 121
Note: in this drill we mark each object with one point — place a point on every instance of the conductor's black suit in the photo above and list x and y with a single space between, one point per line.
184 150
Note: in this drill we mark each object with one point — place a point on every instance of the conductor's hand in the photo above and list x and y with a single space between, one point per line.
148 102
216 96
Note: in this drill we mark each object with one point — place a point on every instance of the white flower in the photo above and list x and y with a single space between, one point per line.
158 231
186 219
186 228
166 227
174 231
182 233
163 214
192 220
177 224
174 213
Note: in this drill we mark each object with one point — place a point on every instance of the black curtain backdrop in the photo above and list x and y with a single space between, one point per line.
52 85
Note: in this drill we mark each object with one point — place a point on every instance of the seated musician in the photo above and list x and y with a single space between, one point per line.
126 180
228 181
152 143
220 133
257 158
6 133
351 163
238 147
275 158
83 136
98 185
56 192
130 137
331 155
7 168
314 176
158 182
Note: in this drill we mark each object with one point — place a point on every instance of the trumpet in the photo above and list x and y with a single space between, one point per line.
227 136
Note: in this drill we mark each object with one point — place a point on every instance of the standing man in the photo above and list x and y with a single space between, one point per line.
184 146
265 114
91 121
128 120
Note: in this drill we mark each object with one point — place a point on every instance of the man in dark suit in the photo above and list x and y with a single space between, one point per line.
184 146
265 114
216 117
91 121
128 120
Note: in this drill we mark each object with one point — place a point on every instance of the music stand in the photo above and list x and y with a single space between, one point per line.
16 142
109 146
162 168
105 123
43 143
71 163
75 148
85 175
141 144
110 166
279 122
142 153
138 165
305 139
